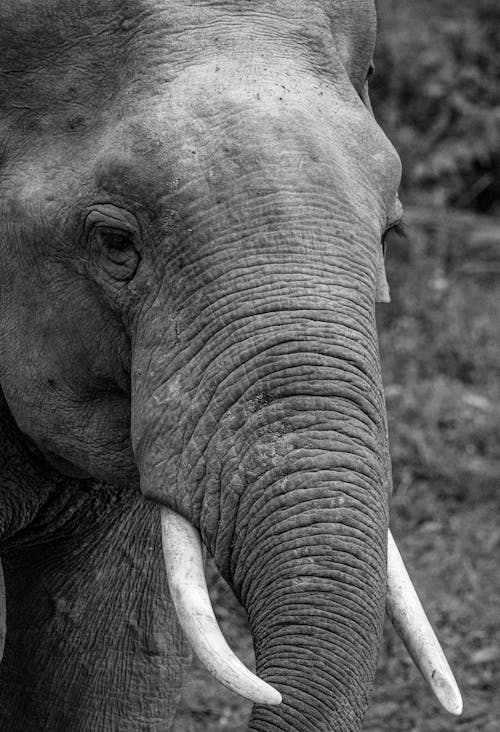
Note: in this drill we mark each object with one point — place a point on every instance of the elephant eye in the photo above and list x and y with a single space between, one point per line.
115 242
370 71
112 239
113 254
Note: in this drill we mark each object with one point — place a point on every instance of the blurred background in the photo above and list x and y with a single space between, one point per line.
436 93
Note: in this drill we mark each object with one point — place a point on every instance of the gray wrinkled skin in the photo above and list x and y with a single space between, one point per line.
192 201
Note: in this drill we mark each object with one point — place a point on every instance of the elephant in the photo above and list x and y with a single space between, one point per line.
194 198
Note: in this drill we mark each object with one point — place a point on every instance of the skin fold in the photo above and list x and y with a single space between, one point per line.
192 202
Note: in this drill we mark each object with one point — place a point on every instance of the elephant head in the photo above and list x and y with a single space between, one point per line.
193 199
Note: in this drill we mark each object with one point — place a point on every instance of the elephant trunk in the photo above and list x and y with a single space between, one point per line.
309 568
288 483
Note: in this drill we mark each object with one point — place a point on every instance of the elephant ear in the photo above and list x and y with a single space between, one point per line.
3 612
382 293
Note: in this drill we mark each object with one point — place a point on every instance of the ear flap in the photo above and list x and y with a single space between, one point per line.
382 293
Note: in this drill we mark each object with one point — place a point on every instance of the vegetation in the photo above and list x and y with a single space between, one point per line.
436 92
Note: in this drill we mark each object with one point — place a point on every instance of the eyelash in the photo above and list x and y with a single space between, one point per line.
400 230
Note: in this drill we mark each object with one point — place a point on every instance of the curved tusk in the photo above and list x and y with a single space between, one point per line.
188 587
409 619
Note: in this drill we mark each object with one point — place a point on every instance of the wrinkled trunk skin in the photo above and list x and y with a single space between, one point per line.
272 440
308 563
309 570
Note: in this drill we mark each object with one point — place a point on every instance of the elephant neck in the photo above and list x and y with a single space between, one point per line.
92 642
32 490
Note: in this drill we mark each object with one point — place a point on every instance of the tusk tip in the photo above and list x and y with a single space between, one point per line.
453 706
270 696
448 694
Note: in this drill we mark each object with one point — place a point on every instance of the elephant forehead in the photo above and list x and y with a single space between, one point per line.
67 71
96 38
260 135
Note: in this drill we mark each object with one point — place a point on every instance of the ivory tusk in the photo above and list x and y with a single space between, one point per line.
410 621
188 587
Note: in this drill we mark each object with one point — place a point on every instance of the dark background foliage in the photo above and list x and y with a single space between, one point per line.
436 92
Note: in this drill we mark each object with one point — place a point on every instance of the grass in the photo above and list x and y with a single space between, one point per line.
440 349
